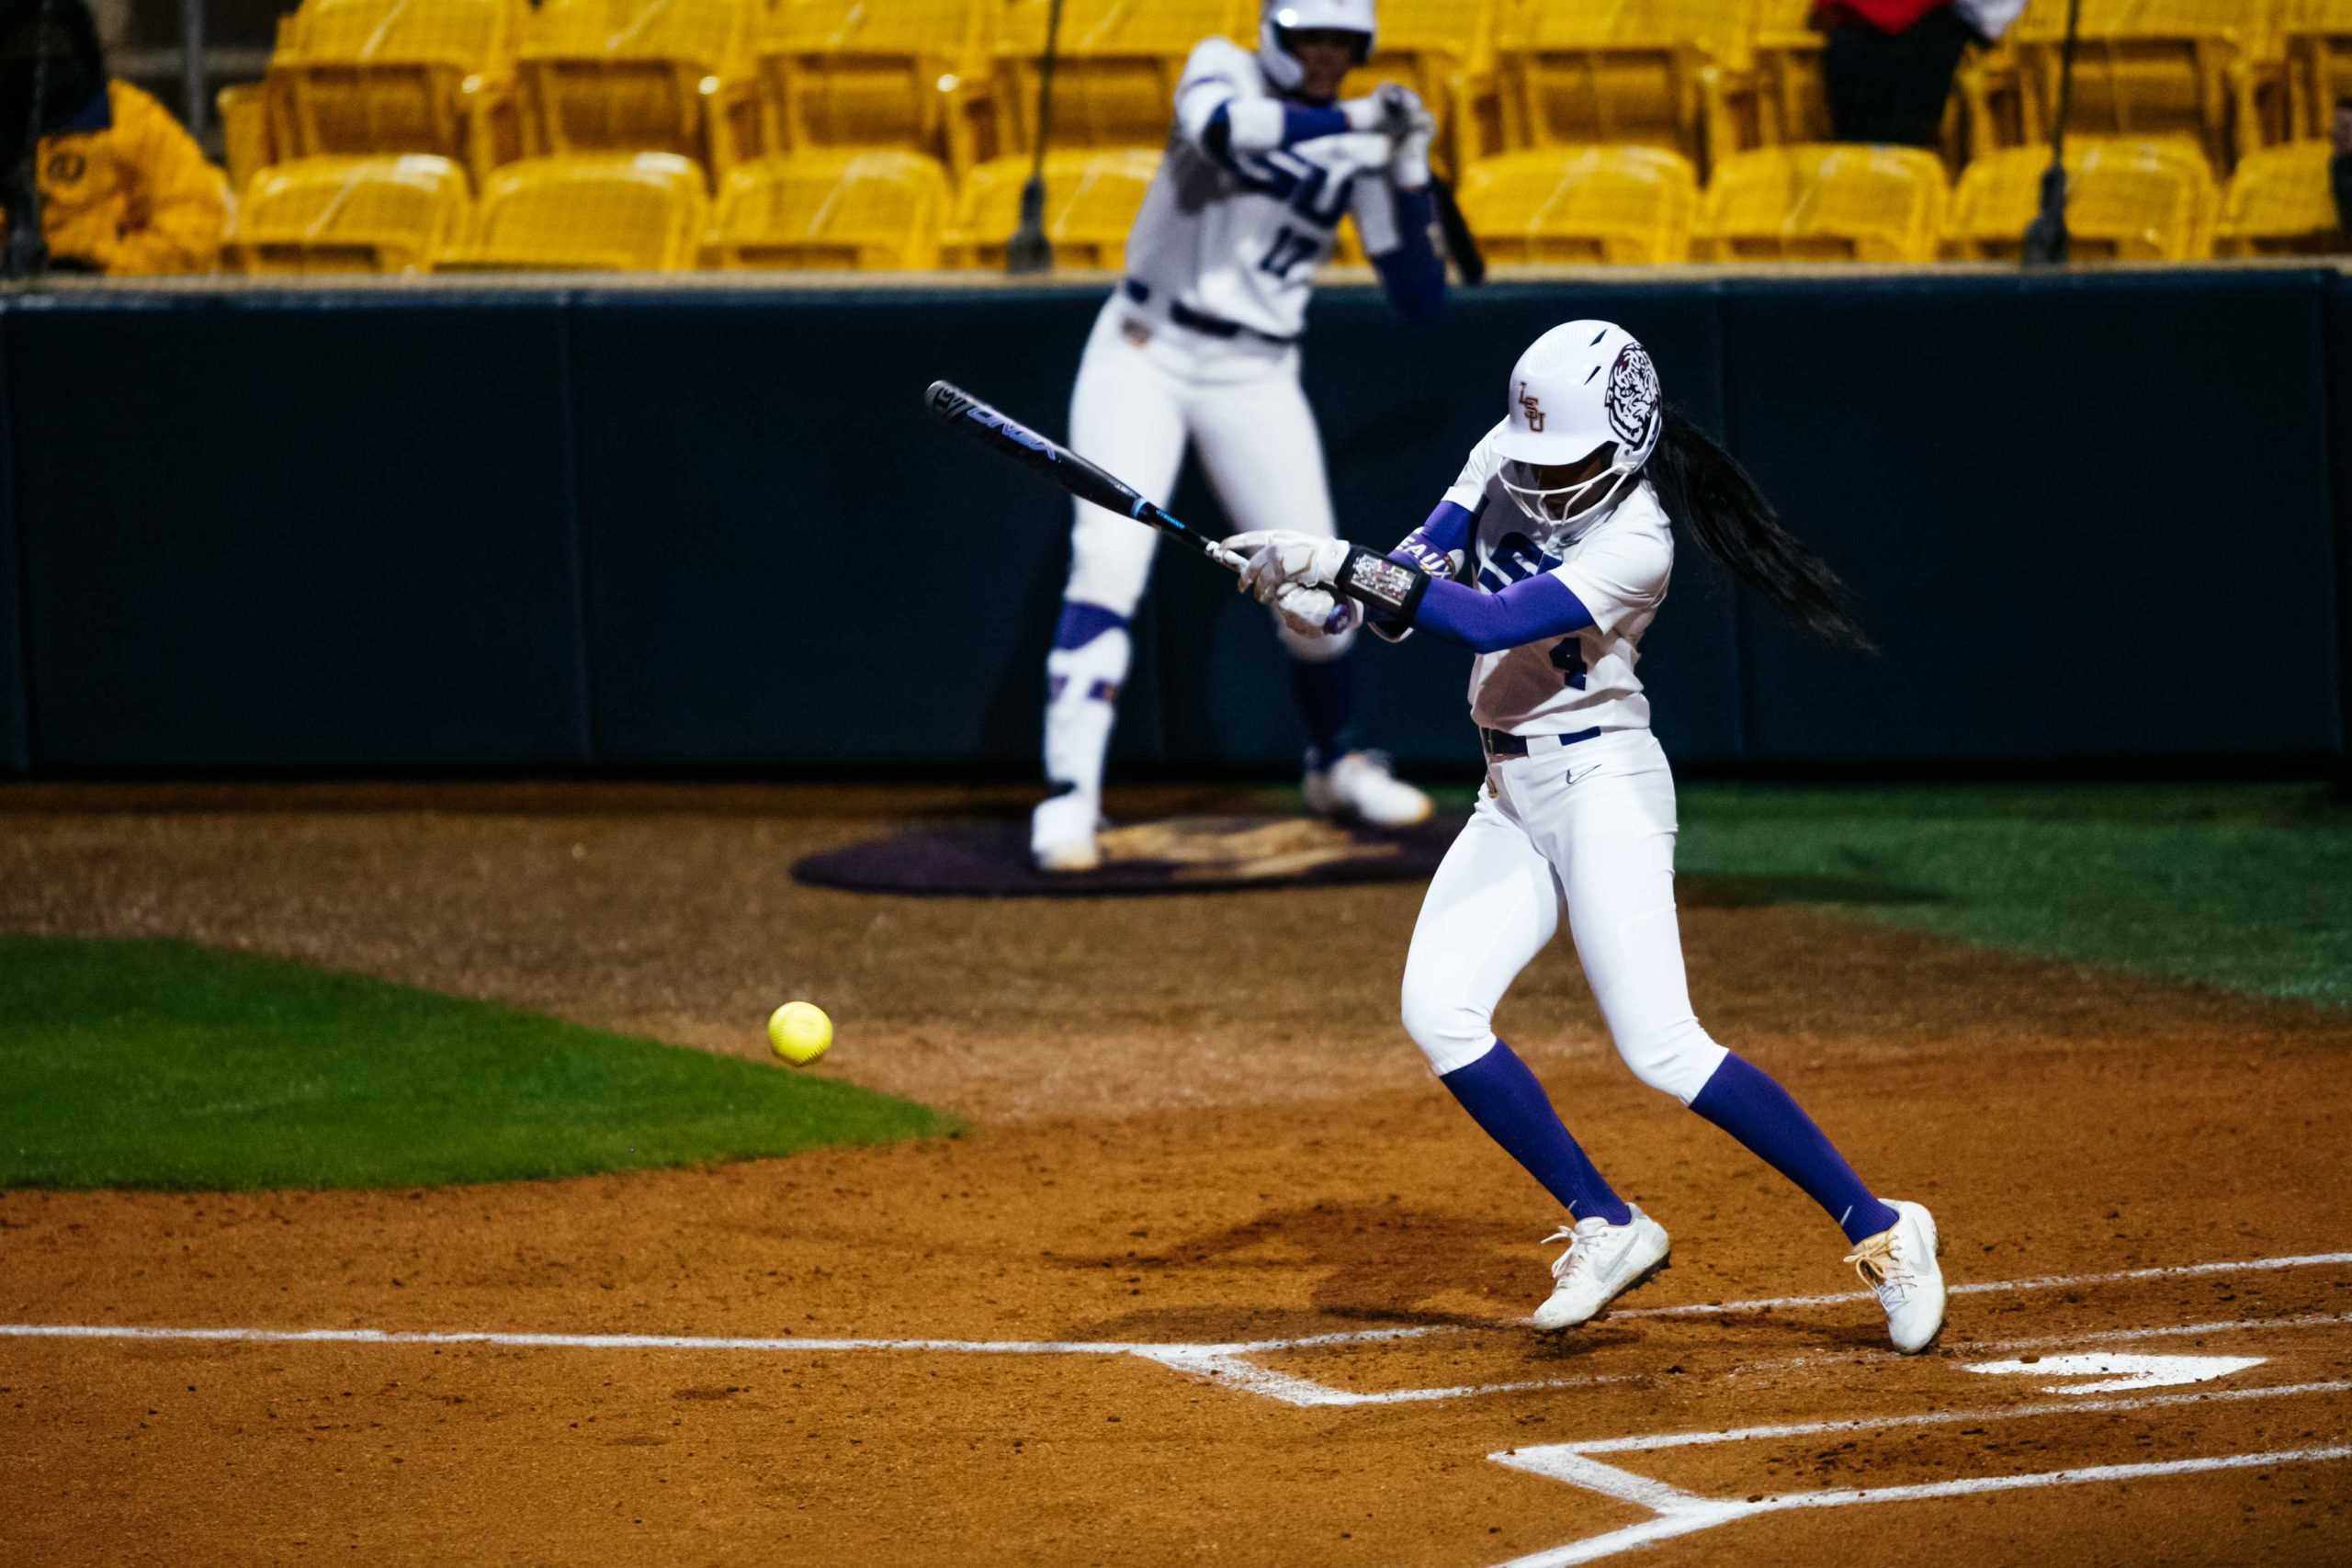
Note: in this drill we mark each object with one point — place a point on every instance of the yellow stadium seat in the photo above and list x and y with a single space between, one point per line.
2315 36
248 141
1116 70
398 76
2148 68
608 211
394 214
1644 73
1791 101
1617 204
1992 97
874 74
881 210
1091 197
2281 203
634 75
1820 201
2130 200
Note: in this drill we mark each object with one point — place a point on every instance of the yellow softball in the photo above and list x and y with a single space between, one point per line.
799 1032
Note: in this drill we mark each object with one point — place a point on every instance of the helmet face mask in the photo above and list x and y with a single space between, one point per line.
1553 493
1584 412
1280 20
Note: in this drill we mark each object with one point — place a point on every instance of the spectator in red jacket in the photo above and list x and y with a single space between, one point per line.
1888 65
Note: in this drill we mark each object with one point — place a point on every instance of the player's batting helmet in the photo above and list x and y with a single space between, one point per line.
1578 388
1279 18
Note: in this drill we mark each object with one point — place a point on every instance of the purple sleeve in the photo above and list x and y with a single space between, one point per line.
1442 532
1540 608
1425 549
1300 123
1411 273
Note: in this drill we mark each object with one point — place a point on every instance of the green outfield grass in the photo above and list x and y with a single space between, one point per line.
157 1064
2246 887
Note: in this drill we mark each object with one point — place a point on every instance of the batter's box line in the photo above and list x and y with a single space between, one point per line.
1680 1513
1981 1287
1225 1363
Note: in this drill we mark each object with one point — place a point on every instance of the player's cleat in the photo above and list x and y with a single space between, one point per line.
1899 1266
1061 833
1603 1261
1359 785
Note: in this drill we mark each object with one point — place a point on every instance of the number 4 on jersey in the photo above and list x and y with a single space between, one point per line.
1567 657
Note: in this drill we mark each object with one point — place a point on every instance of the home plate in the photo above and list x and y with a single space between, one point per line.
2119 1373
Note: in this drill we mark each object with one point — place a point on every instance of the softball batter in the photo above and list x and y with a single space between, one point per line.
1549 557
1200 344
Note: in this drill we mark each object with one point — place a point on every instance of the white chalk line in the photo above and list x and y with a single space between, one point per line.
1226 1365
1682 1513
1947 1417
1685 1513
1222 1361
2182 1330
1236 1371
1979 1287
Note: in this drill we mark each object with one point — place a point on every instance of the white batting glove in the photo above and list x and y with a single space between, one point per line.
1401 108
1279 557
1412 128
1408 169
1315 611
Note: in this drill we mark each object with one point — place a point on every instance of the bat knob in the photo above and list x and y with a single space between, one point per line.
945 399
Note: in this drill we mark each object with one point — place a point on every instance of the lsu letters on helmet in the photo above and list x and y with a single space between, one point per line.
1280 17
1580 387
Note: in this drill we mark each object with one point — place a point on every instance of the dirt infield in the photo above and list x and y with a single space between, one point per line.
1074 1334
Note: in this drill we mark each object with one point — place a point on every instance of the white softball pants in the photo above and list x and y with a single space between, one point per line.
1589 827
1238 400
1143 390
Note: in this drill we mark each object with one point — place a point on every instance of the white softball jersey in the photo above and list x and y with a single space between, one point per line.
1241 244
1616 566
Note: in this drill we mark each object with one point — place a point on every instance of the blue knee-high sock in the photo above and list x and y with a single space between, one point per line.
1326 696
1742 1100
1505 1099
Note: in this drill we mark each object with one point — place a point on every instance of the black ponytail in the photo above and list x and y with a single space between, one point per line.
1705 490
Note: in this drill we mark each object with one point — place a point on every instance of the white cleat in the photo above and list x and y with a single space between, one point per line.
1061 833
1899 1266
1603 1261
1359 785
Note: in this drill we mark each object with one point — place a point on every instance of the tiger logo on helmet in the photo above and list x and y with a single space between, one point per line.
1633 395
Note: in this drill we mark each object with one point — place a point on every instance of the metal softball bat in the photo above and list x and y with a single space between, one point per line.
1003 433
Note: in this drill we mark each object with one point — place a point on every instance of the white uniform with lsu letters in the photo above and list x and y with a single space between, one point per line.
1616 566
1578 814
1210 245
1200 344
1585 821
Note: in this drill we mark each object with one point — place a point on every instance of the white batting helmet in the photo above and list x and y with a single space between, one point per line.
1578 388
1280 17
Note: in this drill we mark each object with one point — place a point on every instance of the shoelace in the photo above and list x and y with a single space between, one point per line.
1576 1259
1882 1267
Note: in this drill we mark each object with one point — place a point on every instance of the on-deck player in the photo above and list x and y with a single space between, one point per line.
1199 343
1549 557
